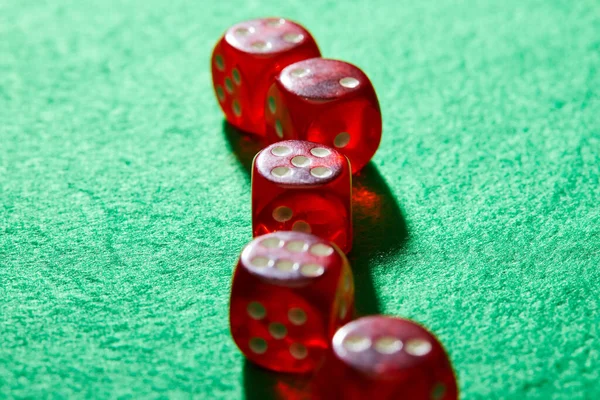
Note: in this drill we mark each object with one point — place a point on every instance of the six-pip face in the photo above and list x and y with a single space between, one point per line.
290 292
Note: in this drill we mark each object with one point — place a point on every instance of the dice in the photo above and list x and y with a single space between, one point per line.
246 60
290 292
305 187
386 358
325 101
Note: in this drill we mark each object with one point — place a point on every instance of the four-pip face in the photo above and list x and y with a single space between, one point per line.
305 187
246 60
266 36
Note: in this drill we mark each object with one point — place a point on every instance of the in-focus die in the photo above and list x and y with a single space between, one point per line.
246 60
329 102
305 187
382 358
290 293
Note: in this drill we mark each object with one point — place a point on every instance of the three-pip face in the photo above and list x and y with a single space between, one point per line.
329 102
386 358
305 187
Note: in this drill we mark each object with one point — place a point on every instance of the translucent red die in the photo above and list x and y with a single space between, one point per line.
380 357
329 102
246 60
290 293
305 187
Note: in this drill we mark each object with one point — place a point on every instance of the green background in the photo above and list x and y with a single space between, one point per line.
125 199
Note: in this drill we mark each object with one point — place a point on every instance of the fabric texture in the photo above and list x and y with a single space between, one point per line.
125 199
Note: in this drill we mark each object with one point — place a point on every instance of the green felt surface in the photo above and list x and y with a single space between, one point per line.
124 199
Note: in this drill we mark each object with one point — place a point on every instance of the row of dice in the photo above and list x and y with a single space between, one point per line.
270 81
292 297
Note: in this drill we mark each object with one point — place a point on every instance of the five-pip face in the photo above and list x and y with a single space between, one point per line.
304 187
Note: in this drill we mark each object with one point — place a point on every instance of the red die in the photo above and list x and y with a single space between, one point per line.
329 102
383 358
290 292
246 60
305 187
